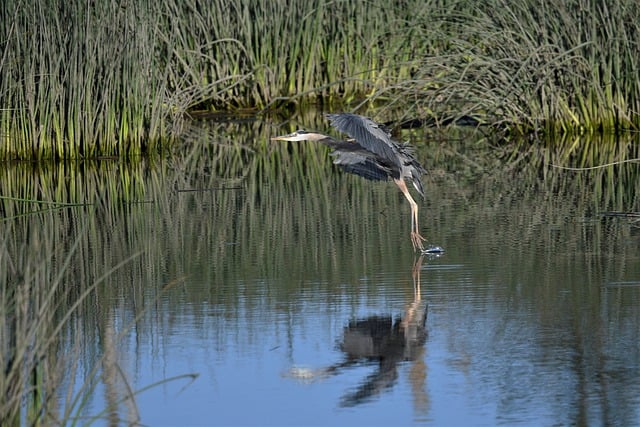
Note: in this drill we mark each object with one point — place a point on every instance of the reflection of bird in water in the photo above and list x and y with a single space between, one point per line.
372 154
387 343
381 341
378 340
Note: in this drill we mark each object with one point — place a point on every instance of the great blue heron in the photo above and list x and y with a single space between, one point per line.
371 154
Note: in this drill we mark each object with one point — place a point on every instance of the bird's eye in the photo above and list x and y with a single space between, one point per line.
301 132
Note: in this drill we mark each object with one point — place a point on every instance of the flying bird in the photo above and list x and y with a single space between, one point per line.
371 153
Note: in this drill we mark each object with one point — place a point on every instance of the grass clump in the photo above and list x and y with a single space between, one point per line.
297 51
79 79
532 65
115 78
60 342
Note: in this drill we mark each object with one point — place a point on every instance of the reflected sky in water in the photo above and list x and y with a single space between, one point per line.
297 299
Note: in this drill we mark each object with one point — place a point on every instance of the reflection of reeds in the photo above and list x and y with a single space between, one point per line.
259 222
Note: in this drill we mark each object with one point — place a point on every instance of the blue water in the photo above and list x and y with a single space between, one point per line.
303 304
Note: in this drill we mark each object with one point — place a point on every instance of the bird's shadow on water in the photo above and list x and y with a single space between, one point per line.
381 341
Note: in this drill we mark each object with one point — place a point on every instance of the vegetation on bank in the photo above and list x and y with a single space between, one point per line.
89 79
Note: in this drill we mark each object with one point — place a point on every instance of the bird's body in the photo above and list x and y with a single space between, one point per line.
372 154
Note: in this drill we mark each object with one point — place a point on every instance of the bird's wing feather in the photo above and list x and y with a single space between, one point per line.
413 167
368 134
362 164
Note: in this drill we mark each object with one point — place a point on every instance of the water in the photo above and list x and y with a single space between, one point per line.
295 297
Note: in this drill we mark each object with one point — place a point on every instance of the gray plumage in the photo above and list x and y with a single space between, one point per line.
374 149
372 154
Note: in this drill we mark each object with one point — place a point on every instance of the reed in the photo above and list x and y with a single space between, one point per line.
83 80
32 298
532 66
288 51
88 80
52 369
79 80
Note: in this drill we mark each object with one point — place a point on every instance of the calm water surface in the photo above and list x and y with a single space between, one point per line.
292 291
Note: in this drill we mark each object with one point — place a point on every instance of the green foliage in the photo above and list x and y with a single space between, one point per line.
533 65
88 79
50 370
80 79
269 51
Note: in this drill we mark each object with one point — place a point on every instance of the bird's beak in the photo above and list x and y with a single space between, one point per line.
288 137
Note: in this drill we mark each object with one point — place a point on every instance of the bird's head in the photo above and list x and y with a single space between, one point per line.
300 135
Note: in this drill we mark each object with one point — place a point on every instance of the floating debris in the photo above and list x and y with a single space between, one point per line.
433 250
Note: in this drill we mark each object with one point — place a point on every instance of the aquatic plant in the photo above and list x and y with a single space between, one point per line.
79 80
83 80
51 369
529 65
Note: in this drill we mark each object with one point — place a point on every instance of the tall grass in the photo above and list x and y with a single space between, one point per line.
56 286
533 65
88 79
270 51
36 305
530 65
80 79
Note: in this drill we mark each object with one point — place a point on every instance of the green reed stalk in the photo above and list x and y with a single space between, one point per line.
322 49
534 65
107 78
80 79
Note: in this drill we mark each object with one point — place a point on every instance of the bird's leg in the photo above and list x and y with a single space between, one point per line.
416 238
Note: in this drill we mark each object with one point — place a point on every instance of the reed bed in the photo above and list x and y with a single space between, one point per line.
548 66
528 65
113 78
80 80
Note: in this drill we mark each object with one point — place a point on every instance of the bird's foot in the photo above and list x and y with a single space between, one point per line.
416 240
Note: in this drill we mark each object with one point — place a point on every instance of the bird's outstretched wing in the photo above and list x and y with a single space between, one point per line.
362 164
368 134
